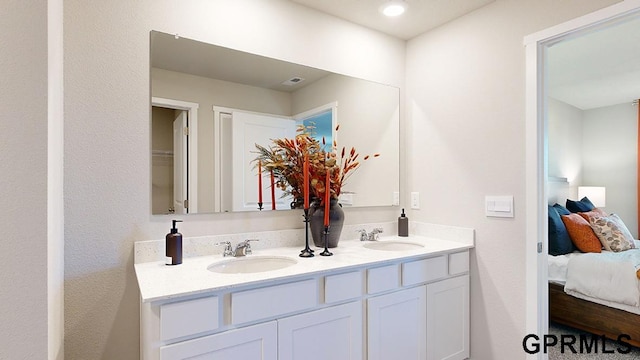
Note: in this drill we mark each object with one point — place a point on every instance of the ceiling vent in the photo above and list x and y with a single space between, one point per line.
293 81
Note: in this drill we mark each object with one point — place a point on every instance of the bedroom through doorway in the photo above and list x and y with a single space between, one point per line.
548 83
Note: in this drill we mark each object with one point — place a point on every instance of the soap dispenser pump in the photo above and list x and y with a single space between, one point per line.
403 225
173 252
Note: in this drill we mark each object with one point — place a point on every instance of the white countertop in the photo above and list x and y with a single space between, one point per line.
158 281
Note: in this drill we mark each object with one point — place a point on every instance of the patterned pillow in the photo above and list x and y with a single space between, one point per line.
595 212
609 234
624 229
581 233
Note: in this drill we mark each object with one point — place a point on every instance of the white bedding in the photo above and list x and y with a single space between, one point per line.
607 278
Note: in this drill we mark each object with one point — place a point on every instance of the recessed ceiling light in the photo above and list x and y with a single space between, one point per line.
393 8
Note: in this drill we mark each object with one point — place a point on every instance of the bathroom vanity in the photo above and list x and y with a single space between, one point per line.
399 298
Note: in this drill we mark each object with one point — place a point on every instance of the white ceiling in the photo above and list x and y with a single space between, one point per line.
598 69
421 16
216 62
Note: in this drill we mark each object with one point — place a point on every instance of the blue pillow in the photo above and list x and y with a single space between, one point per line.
583 205
559 240
561 209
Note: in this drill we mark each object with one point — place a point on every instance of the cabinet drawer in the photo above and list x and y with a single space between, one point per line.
459 263
272 301
425 270
188 317
342 287
258 342
383 278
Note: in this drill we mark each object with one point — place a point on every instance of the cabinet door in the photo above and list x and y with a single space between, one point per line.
332 333
448 319
397 325
258 342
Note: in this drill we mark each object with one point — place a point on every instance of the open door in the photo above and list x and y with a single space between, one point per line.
249 129
180 165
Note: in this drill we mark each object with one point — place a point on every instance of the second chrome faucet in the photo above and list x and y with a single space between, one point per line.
372 236
242 249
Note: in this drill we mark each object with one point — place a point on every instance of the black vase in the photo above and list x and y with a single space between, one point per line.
316 220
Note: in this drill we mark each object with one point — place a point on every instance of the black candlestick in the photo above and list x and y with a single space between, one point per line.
306 252
260 206
326 251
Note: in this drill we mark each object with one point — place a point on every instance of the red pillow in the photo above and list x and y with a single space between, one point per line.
581 233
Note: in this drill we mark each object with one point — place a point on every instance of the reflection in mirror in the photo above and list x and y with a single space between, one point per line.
230 100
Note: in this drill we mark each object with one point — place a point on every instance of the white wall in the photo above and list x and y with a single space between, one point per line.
565 141
610 158
465 139
30 180
107 134
597 147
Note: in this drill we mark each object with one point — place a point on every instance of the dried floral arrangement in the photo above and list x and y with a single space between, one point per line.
286 158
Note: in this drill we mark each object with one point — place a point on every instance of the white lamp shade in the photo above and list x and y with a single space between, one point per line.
596 194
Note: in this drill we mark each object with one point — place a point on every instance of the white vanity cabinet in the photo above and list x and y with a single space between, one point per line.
448 319
396 324
329 333
407 308
257 342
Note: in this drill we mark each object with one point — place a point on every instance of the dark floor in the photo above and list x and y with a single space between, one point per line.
555 352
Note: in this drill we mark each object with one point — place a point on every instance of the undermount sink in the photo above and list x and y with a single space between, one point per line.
251 264
392 245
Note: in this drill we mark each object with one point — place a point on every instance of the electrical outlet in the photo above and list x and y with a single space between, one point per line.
396 198
415 200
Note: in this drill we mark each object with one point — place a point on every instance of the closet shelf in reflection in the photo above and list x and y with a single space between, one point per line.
162 153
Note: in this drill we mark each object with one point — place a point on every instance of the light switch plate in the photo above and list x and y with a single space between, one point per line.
415 200
396 198
499 206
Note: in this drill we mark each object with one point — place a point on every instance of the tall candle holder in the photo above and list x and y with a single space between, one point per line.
260 206
307 251
326 251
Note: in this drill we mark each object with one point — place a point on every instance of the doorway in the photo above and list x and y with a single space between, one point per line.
537 150
174 171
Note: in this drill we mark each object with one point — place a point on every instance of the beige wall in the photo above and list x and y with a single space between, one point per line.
610 145
465 139
368 115
107 134
565 142
30 284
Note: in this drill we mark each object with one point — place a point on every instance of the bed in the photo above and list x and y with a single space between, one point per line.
594 292
610 317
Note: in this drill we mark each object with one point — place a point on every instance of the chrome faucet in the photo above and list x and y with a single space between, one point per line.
372 236
244 248
228 251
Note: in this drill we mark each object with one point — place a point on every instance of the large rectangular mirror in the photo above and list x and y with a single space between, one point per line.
211 105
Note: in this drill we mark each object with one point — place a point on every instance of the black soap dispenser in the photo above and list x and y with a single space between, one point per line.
403 225
173 250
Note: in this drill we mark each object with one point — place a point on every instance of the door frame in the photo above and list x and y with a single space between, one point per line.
537 307
192 160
